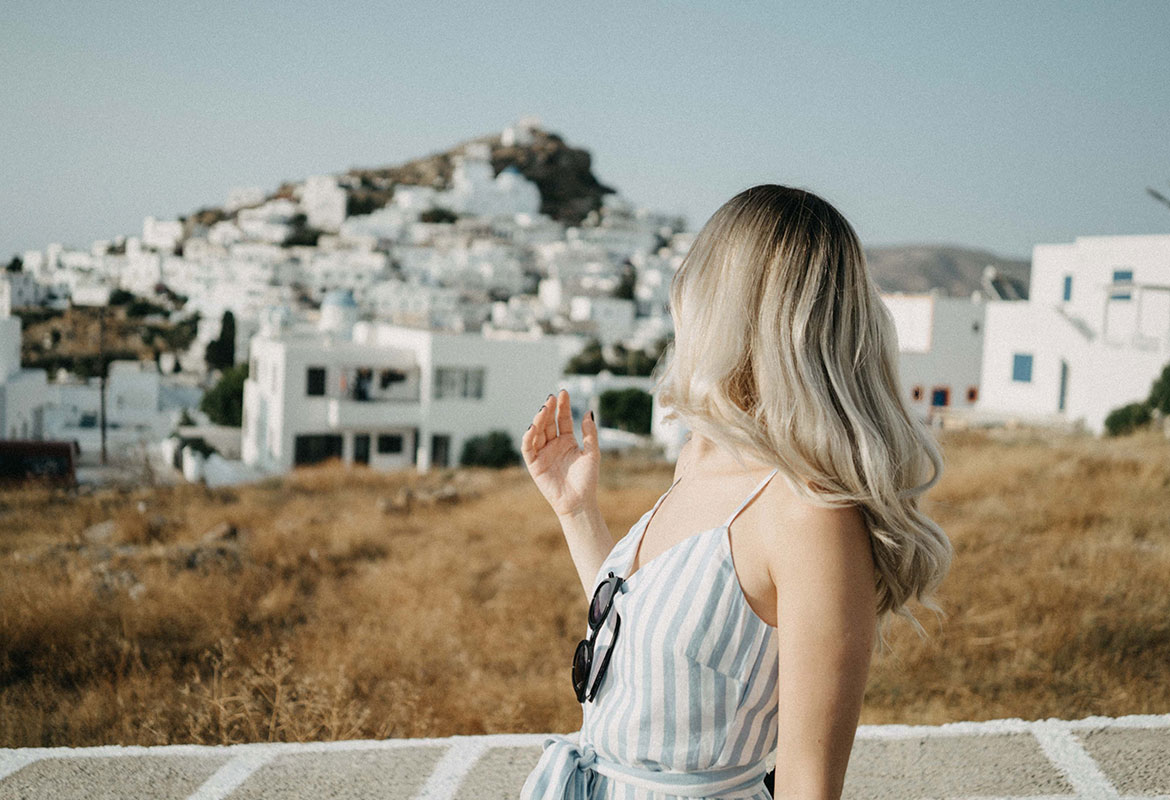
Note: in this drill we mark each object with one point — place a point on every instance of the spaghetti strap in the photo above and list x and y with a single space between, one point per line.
750 497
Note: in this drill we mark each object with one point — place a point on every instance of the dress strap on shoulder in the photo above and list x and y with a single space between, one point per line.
750 497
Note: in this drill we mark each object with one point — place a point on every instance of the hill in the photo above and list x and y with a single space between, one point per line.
564 175
957 271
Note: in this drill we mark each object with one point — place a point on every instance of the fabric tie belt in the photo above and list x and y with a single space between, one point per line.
566 772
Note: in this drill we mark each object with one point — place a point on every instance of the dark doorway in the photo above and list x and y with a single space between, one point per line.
313 448
440 447
361 448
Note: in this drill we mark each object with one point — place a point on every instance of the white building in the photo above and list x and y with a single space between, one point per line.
477 190
940 350
22 391
354 270
612 316
161 234
243 197
135 413
414 304
324 203
21 289
1092 336
270 222
520 134
385 395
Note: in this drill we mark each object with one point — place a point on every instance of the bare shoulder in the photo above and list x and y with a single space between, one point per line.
800 537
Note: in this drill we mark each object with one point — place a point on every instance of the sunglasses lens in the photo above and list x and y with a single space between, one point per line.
581 664
601 599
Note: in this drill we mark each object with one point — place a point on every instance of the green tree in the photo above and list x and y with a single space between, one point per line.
1160 392
1127 419
224 403
588 362
493 449
629 278
221 352
627 409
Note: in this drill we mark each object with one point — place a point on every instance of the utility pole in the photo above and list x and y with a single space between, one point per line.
102 368
100 297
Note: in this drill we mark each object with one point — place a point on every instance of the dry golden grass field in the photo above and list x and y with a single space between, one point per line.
314 607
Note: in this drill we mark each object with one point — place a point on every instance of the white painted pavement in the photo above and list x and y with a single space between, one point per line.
1096 758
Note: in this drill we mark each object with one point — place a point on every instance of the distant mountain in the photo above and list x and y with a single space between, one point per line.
956 271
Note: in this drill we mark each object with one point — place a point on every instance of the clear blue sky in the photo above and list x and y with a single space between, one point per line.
989 124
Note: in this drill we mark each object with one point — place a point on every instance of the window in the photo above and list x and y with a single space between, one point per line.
916 393
315 381
1022 367
1121 276
1067 295
389 443
458 382
940 396
972 394
389 376
361 448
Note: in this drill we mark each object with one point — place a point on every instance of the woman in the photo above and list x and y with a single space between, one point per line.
714 650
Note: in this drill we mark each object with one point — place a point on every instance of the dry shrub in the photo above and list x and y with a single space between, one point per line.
328 617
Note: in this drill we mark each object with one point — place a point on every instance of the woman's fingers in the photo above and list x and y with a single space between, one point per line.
589 433
564 415
554 419
548 418
543 426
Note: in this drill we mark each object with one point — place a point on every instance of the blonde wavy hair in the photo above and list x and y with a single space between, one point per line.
784 349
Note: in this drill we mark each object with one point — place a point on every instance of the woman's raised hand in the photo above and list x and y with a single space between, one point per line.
565 474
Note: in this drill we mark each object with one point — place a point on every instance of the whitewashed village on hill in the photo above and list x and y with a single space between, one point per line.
398 317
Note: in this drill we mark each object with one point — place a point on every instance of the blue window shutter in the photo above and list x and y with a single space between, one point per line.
1067 288
1022 367
1122 275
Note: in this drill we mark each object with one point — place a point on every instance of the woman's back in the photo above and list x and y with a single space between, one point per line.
687 707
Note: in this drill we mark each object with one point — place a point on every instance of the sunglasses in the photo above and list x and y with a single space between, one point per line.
583 657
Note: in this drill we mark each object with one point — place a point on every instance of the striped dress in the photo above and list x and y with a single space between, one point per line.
688 705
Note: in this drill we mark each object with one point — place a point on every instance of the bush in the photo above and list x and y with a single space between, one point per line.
627 409
224 404
493 449
221 353
1127 419
589 361
120 297
143 308
438 215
